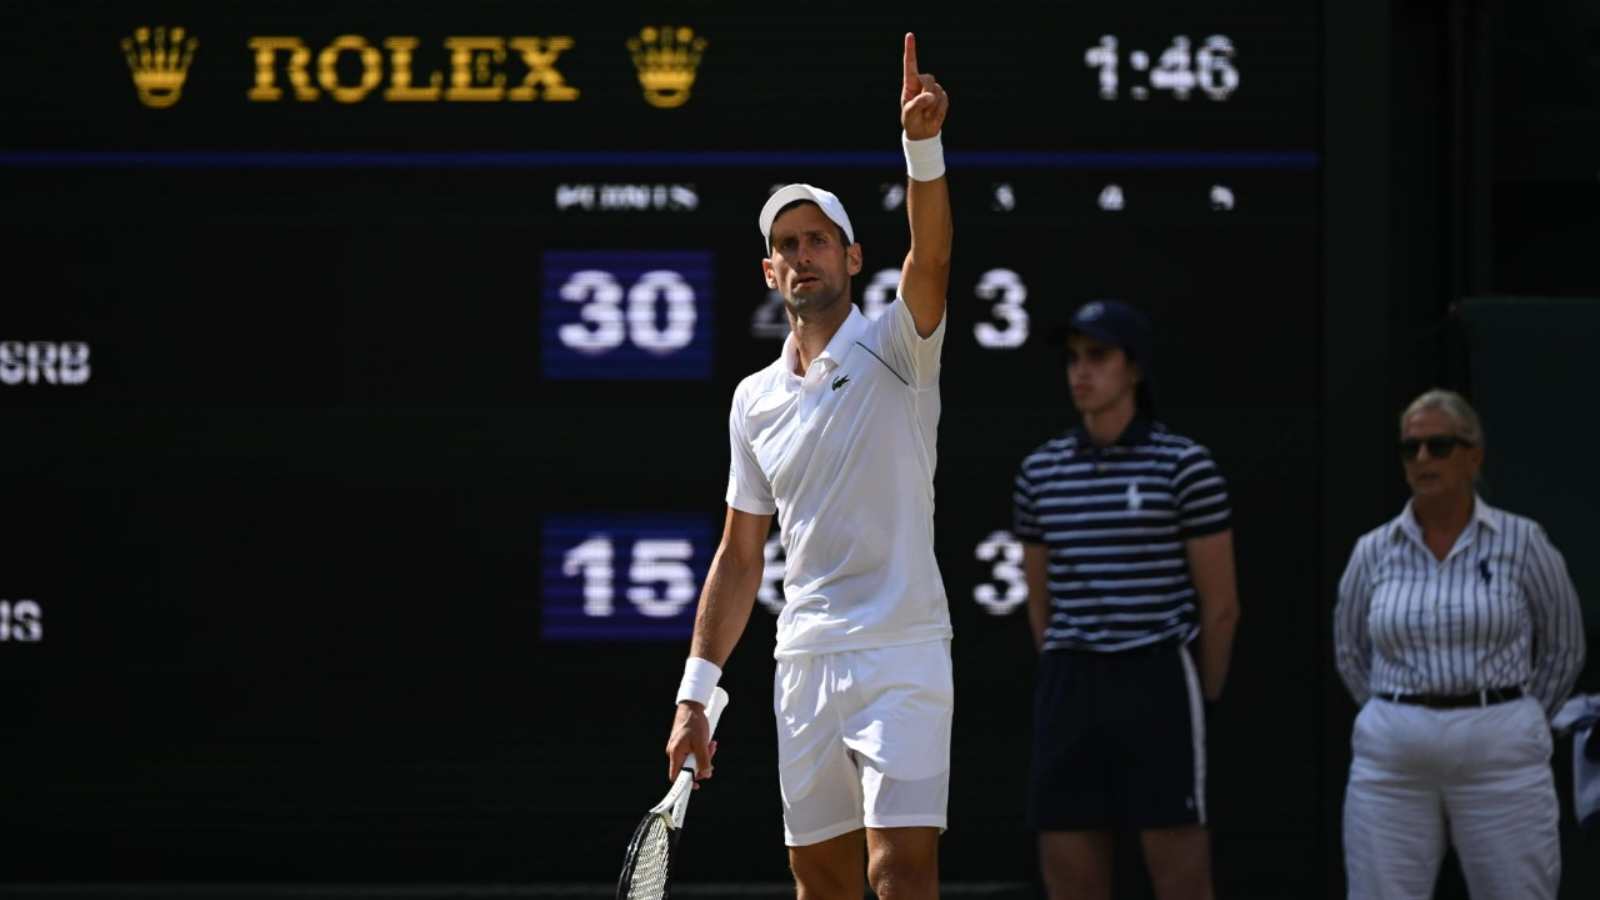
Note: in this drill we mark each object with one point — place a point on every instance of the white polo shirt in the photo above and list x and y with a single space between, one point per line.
845 458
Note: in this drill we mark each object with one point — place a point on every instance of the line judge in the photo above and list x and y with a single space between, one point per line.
1458 632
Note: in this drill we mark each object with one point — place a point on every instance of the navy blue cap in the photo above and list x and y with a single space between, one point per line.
1118 324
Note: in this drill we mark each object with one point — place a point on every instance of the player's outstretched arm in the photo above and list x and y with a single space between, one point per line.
925 277
725 603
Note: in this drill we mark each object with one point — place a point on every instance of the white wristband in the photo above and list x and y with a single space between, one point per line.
700 677
924 158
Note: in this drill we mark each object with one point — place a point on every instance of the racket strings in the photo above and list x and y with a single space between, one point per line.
649 860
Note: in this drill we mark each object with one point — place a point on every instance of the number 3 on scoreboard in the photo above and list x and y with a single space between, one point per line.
1005 289
1005 552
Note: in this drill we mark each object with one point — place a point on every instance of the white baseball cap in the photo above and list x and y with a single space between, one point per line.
829 204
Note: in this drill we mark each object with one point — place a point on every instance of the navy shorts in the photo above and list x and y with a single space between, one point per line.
1118 741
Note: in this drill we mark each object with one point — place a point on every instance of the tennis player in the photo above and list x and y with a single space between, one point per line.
837 439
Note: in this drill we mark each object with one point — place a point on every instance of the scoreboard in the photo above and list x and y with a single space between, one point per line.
366 371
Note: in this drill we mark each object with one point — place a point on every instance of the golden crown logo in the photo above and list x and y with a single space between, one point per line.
160 63
666 58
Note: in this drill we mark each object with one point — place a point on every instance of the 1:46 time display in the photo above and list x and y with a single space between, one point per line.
1180 68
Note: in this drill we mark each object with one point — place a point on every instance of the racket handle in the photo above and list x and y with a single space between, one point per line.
719 702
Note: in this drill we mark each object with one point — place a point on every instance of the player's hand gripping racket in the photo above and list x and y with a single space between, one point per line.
646 869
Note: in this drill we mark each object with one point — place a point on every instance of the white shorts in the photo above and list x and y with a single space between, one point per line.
863 740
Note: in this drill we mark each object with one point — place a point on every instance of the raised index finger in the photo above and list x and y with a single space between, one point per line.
911 58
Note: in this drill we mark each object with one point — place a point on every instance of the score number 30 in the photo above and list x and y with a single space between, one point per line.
608 324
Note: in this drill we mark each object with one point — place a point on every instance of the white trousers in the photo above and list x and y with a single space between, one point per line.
1478 777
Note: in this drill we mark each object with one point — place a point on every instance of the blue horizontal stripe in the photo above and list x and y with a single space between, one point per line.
1295 160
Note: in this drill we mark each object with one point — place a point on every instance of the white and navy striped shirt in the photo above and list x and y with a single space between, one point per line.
1499 611
1114 520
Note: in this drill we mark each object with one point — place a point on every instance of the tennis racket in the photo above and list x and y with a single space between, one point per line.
646 869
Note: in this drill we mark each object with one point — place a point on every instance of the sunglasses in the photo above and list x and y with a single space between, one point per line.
1439 446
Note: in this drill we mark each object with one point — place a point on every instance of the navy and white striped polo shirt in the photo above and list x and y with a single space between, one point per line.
1115 520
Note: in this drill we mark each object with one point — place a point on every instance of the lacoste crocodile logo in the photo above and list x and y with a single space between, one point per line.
841 381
